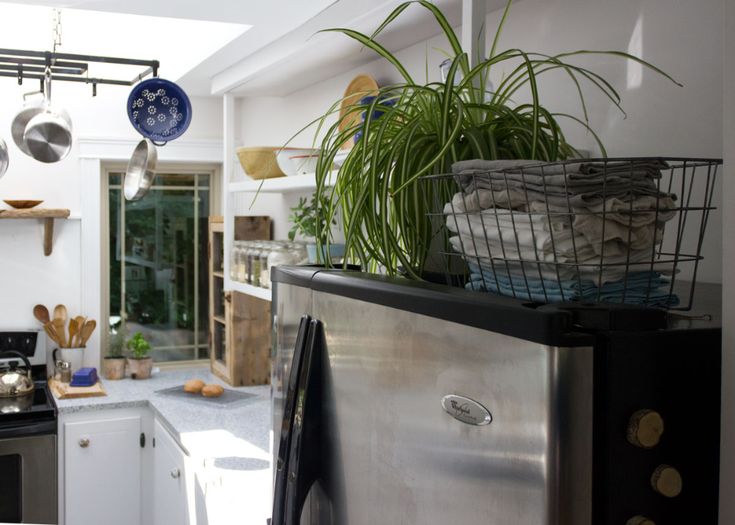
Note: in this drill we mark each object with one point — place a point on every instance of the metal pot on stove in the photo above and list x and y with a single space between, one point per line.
16 384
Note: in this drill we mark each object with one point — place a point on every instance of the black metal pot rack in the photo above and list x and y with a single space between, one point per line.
67 67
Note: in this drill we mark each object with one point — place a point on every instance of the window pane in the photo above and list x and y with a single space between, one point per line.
164 281
172 179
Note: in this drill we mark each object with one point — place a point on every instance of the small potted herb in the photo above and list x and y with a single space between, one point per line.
114 363
310 221
140 362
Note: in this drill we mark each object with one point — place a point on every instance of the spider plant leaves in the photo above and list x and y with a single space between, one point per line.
411 130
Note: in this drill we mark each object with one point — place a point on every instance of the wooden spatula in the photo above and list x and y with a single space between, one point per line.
80 319
86 332
73 331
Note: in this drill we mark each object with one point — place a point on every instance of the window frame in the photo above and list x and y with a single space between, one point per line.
215 204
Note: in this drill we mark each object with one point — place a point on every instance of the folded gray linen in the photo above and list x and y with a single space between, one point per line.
574 184
625 226
586 265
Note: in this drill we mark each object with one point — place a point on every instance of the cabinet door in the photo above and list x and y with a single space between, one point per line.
102 472
169 481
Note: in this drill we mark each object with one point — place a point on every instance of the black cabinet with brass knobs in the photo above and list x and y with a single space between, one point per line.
657 428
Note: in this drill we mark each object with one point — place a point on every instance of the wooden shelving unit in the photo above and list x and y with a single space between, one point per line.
46 216
239 323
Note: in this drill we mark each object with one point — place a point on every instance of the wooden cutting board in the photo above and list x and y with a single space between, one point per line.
64 391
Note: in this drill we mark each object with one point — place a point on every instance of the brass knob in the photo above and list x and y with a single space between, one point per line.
645 428
666 480
84 442
640 520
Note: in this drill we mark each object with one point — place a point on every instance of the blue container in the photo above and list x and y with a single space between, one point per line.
159 110
377 112
84 377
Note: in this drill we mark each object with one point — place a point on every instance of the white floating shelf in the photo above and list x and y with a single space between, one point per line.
249 289
292 184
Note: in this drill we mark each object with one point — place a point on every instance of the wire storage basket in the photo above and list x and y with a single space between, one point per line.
615 230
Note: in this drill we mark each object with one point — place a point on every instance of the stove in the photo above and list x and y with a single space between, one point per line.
28 429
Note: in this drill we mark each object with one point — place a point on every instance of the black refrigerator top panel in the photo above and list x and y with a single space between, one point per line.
563 324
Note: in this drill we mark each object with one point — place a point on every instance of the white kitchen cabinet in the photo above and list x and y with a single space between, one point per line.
171 481
102 471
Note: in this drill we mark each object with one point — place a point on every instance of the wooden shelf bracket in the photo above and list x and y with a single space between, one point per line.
46 216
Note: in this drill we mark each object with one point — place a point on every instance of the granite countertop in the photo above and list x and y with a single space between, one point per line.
231 442
248 419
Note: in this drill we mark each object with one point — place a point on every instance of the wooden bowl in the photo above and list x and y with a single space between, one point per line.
22 205
259 163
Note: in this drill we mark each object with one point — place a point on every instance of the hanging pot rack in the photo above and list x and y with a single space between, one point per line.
67 67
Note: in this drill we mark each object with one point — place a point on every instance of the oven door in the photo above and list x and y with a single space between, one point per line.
28 478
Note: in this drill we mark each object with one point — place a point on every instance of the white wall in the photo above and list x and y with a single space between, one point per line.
727 471
683 38
27 277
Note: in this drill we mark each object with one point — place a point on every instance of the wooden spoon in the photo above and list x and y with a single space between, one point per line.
80 319
60 329
40 312
60 312
73 330
51 332
86 332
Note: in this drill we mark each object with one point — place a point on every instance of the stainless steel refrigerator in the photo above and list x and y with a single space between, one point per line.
397 402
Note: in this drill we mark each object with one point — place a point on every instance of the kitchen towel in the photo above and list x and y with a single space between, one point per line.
549 238
592 268
649 288
609 227
571 185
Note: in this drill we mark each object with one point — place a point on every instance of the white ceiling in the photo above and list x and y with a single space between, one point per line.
251 12
270 19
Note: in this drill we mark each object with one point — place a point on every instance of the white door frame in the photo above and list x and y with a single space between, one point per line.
93 152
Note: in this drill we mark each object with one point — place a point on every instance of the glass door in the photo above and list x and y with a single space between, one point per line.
158 266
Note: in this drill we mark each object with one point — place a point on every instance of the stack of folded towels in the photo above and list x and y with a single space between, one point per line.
585 231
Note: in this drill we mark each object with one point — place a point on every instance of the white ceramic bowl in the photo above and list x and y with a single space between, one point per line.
296 161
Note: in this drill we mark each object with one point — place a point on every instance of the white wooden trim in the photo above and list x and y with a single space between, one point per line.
91 253
117 149
228 152
474 14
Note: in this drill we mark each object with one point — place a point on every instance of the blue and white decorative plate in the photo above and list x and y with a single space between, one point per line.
159 110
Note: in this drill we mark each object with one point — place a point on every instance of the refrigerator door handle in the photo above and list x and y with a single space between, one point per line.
284 447
304 460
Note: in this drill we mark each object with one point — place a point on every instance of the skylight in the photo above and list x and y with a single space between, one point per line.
179 44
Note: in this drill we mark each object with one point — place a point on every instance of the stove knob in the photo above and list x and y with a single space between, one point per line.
666 480
645 428
640 520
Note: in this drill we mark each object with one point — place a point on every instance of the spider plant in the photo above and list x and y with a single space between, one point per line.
423 129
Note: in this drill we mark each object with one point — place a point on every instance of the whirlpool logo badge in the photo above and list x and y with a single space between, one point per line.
466 410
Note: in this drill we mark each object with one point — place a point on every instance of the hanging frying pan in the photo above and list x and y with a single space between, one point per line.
3 157
141 171
159 110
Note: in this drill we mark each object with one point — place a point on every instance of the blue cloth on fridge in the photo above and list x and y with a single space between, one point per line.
649 288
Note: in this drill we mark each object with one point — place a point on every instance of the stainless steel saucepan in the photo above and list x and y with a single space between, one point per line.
48 135
141 170
31 108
